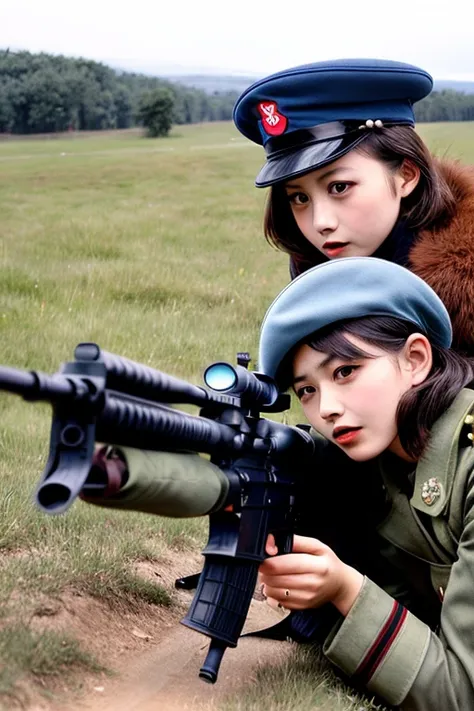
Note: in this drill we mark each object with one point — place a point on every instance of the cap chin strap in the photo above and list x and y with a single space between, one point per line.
322 133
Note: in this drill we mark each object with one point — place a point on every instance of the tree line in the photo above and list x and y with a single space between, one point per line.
43 93
446 105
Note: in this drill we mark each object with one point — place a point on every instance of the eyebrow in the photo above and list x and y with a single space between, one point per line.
321 177
325 362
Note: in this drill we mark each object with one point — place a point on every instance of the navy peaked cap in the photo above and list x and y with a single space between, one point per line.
346 289
308 116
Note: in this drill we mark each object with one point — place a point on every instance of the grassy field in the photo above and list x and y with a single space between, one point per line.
153 249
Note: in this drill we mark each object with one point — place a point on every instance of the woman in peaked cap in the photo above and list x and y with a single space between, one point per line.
349 176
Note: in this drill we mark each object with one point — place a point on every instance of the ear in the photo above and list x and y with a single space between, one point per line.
409 177
418 358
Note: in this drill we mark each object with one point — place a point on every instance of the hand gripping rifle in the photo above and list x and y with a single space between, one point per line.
101 397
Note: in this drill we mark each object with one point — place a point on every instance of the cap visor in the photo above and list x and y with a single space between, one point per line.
302 160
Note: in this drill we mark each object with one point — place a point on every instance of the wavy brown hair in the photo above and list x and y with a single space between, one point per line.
431 204
420 407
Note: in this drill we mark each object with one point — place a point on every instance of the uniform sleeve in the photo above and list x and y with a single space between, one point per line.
382 645
168 484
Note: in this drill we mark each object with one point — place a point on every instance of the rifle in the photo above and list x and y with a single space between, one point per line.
102 397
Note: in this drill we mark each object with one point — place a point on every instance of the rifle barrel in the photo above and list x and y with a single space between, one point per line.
127 376
33 385
158 427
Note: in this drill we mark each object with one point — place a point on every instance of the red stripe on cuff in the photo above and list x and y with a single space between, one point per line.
382 643
383 654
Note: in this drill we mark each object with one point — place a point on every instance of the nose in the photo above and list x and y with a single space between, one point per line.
330 407
324 217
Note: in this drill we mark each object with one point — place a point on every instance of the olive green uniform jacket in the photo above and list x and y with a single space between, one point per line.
380 642
409 637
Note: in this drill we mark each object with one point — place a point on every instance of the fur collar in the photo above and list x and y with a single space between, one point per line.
444 256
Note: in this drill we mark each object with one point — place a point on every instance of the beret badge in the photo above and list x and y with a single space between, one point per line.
273 122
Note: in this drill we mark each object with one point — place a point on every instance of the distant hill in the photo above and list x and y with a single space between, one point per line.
466 86
213 82
237 83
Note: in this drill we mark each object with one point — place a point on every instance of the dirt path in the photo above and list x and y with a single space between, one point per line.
166 676
155 659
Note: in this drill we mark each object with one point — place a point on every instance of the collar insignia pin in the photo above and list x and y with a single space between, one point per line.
431 491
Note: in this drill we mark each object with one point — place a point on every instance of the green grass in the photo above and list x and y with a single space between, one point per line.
46 653
26 655
153 249
304 682
449 139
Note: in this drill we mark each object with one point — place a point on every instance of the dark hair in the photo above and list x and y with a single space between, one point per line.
430 204
420 407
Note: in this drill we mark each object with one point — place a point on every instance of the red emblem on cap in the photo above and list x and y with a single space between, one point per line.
273 122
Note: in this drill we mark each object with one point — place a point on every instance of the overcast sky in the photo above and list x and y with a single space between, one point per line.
245 36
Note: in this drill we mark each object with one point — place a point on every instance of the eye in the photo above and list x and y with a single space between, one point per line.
345 372
305 391
298 198
339 188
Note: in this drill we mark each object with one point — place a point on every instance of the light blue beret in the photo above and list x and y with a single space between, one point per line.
344 289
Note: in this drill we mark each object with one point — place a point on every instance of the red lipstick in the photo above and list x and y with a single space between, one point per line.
346 435
333 249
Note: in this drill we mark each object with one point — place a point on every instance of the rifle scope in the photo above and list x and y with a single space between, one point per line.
257 388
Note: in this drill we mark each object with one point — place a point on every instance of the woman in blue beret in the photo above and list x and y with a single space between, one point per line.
349 176
382 569
383 575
